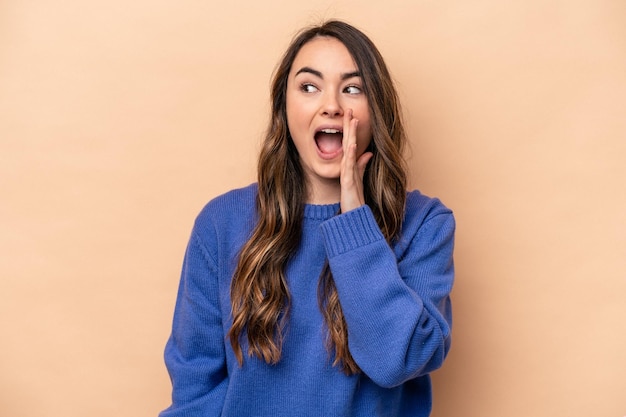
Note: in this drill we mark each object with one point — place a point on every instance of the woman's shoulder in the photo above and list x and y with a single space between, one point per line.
416 201
234 206
421 209
233 199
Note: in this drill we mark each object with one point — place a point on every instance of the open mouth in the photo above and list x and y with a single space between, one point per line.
329 140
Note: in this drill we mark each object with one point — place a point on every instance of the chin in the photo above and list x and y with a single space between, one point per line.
329 173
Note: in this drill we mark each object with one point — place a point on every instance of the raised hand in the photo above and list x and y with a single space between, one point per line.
352 166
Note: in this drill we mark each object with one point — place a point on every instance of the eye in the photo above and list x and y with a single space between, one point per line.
308 88
353 89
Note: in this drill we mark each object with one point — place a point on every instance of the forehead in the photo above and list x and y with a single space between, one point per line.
324 54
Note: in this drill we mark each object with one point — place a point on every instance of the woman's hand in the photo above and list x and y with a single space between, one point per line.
352 169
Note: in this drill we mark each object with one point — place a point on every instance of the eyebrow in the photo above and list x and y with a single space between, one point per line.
317 73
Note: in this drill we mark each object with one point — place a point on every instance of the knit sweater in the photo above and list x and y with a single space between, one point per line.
395 300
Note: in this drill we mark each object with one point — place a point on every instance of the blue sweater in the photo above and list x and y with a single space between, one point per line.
395 301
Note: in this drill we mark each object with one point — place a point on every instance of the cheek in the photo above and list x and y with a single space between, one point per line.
291 109
294 116
363 115
364 134
364 137
292 125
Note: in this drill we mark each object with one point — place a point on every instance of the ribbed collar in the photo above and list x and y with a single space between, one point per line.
320 211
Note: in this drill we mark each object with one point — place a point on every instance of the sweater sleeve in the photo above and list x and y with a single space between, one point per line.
395 301
195 353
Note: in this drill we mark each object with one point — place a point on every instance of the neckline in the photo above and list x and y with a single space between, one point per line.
320 211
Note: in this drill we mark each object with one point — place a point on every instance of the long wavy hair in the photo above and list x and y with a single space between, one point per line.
259 292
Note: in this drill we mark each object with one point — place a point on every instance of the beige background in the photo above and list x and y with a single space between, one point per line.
119 120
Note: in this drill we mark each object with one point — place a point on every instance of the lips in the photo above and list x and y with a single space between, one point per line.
328 141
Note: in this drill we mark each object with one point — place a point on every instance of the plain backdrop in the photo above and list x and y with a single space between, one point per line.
119 120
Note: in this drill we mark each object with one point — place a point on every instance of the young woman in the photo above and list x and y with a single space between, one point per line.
323 289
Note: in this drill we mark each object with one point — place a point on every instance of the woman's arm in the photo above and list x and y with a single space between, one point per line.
395 301
195 354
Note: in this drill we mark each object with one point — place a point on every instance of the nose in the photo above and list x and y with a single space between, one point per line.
331 106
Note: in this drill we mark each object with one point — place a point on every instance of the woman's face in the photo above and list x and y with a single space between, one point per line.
324 84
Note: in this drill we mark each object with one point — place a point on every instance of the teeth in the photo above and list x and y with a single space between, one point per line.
330 131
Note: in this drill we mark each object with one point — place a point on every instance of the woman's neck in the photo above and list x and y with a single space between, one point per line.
324 192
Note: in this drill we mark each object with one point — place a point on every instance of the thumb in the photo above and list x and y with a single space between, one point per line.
362 162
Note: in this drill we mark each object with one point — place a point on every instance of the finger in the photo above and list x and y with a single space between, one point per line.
349 146
355 147
349 130
362 163
346 130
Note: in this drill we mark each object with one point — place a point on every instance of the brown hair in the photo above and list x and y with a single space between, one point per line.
259 293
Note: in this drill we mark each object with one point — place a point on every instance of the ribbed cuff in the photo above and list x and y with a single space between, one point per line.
350 230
